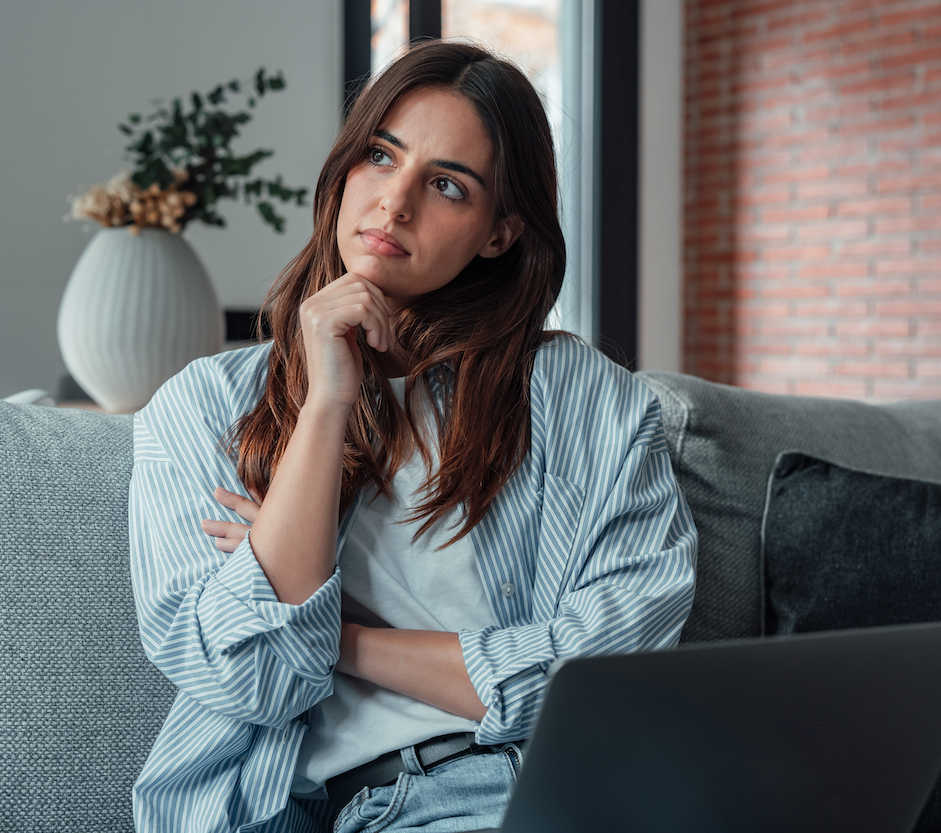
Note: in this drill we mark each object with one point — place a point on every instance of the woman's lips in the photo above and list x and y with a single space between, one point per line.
381 243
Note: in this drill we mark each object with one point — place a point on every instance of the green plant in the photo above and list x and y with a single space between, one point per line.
183 165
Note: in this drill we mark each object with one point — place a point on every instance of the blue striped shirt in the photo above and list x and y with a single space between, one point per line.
590 548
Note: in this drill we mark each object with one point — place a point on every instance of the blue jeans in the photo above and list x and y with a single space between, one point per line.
468 793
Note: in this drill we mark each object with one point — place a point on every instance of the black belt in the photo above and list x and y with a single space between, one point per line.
386 768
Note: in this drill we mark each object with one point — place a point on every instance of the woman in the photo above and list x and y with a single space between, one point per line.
445 498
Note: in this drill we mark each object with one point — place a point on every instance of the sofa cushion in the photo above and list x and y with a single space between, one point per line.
843 548
724 442
81 704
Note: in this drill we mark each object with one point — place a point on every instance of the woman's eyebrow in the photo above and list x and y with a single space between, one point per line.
457 167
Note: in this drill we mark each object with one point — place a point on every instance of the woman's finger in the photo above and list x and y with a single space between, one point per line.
242 506
228 535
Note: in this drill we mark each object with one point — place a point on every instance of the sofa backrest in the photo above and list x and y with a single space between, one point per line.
81 705
724 442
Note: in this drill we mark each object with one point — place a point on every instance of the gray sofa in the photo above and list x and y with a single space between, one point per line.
81 706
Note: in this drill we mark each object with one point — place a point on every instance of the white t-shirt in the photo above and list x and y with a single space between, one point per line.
390 581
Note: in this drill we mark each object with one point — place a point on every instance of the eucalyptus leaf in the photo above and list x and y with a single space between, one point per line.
197 143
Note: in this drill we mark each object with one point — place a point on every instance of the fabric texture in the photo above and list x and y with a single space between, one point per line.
724 442
843 548
588 549
81 704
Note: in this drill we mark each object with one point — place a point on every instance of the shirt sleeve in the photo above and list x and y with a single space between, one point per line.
615 566
210 620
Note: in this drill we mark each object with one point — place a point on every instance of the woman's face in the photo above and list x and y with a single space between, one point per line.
420 205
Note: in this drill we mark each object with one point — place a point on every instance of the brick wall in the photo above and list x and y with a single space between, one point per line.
813 196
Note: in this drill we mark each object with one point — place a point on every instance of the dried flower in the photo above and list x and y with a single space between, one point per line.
183 165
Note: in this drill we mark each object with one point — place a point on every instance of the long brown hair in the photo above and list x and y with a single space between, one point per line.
474 338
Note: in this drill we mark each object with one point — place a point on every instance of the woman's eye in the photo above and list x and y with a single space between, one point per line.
448 188
377 156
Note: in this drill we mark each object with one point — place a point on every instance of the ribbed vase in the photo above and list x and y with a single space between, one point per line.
136 310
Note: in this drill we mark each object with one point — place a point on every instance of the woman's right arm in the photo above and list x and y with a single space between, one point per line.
253 634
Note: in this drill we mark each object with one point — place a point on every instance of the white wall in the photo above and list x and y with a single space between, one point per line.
72 70
661 186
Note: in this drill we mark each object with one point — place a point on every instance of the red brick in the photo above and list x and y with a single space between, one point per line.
885 126
834 270
930 286
896 266
762 197
832 309
884 369
763 232
798 175
914 141
791 366
911 16
876 248
920 56
808 137
816 212
833 189
834 229
761 272
875 43
831 70
874 328
766 311
836 150
796 291
930 99
931 201
792 328
907 349
838 31
741 10
769 349
837 114
747 87
885 205
798 20
910 308
874 85
915 182
796 253
931 245
890 225
872 289
832 348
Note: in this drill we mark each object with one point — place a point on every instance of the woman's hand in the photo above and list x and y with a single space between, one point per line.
330 320
229 534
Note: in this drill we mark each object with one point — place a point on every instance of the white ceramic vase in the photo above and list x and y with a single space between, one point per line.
136 310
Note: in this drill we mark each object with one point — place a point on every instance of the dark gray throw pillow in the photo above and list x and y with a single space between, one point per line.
845 549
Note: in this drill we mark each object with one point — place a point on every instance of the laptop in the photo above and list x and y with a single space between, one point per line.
837 731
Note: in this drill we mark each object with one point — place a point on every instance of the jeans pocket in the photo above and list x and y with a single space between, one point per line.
373 809
514 755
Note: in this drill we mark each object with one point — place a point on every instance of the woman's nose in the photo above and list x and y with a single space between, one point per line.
397 199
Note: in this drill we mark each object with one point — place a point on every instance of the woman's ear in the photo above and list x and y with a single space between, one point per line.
505 234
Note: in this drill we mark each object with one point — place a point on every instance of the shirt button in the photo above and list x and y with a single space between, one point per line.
507 589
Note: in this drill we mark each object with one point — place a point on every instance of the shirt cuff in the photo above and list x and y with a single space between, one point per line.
238 603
